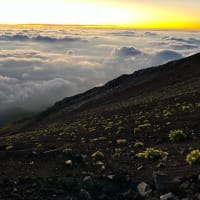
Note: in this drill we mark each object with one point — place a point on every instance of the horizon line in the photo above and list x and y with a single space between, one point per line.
99 26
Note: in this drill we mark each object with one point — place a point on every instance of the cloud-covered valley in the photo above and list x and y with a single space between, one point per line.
41 66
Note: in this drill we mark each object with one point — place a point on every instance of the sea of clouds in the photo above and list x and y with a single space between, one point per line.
41 66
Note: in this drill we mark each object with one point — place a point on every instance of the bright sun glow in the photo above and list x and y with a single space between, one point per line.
62 12
95 12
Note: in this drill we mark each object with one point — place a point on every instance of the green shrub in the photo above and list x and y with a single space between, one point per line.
67 150
138 144
144 126
121 141
193 157
166 113
38 145
137 130
177 135
118 150
97 156
198 105
99 139
120 129
152 154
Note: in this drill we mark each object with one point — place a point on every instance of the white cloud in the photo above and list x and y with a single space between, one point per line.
167 55
125 52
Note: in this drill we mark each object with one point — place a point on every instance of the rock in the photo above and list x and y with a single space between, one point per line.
85 195
160 165
69 163
144 189
99 163
182 151
103 168
31 163
80 158
34 152
128 178
178 180
163 183
88 180
189 191
140 168
198 196
102 197
185 185
111 177
168 196
84 173
88 183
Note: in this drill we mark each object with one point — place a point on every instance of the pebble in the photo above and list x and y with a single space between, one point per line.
198 196
88 179
185 185
144 189
85 195
69 163
168 196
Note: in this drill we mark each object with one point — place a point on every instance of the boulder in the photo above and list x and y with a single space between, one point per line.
163 183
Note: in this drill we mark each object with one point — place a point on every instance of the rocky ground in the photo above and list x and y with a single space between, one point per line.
119 186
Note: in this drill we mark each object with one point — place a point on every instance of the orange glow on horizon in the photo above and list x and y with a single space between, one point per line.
91 13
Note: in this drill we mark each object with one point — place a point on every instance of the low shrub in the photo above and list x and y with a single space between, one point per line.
97 156
138 144
121 141
193 157
177 135
67 150
118 150
152 154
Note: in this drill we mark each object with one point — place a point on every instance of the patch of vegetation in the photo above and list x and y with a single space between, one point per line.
152 154
193 157
118 150
138 144
121 141
198 105
177 135
99 139
144 126
166 113
97 156
137 130
38 145
67 150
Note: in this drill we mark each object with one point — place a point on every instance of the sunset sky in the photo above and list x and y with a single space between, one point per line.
134 13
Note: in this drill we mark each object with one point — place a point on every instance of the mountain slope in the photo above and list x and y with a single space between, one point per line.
140 83
99 133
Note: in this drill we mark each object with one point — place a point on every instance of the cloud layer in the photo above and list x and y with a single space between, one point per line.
39 66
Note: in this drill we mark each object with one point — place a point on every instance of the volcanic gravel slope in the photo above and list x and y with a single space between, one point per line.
53 154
